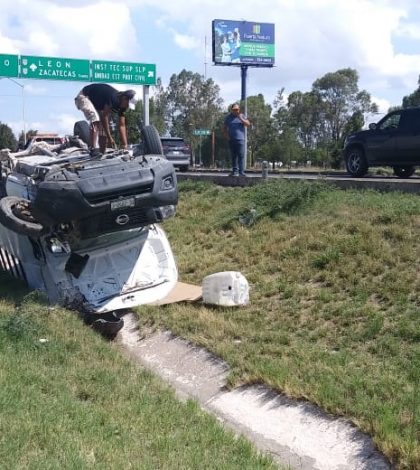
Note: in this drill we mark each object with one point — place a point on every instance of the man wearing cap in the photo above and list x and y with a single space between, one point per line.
97 101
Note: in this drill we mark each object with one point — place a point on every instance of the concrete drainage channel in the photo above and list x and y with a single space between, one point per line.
294 433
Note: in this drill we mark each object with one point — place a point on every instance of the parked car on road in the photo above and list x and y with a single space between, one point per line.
393 141
177 151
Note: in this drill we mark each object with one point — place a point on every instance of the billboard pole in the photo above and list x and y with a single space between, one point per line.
244 71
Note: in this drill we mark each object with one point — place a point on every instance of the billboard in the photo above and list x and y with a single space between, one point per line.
243 43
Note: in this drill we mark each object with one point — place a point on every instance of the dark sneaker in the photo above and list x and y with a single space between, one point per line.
108 324
233 173
95 153
242 174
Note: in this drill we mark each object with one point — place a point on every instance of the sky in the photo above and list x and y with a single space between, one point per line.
378 38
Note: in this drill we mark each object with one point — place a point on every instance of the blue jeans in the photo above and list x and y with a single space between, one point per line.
237 151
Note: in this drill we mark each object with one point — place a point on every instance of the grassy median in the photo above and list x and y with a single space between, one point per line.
334 315
69 400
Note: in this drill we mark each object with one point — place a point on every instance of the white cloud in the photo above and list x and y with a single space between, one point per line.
65 123
383 104
8 45
37 89
184 41
410 30
41 27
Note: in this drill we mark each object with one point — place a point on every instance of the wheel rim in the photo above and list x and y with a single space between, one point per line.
354 162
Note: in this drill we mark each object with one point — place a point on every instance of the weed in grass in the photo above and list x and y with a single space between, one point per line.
271 200
18 326
372 328
331 255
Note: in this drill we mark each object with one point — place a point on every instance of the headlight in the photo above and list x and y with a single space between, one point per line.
167 183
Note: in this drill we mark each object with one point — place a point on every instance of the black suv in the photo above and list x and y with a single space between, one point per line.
393 141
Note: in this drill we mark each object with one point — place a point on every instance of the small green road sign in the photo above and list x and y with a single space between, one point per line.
9 65
123 72
54 68
202 132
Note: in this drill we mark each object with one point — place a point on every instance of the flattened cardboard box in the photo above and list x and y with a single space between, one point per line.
182 292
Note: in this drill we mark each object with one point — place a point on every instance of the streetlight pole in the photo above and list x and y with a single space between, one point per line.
22 87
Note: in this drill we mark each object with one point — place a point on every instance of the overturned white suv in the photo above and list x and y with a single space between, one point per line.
84 229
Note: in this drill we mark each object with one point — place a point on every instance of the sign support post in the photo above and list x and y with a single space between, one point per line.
244 72
146 104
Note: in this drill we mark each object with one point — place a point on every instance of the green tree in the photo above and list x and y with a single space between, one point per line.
304 116
262 128
135 117
193 102
322 117
7 138
296 121
340 100
413 99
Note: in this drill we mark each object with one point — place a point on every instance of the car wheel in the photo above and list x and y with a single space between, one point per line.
183 168
152 143
81 129
356 163
16 215
404 171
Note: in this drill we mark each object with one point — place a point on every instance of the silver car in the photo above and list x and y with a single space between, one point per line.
178 152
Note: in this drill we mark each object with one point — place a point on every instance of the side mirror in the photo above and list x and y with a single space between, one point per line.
372 125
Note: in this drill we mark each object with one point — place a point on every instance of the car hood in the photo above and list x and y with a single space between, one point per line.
359 134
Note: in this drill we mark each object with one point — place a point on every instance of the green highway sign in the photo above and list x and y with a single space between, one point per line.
59 68
54 68
123 72
9 65
202 132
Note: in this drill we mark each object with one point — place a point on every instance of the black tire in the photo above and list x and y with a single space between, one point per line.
15 214
404 171
356 163
152 143
81 129
183 168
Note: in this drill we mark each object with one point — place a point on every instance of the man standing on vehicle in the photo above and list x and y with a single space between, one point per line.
234 130
97 101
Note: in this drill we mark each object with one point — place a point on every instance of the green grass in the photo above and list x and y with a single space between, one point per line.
74 402
335 305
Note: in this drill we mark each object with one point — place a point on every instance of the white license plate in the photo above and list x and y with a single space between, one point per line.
122 203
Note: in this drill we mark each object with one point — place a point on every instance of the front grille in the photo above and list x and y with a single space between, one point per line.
99 197
106 223
12 265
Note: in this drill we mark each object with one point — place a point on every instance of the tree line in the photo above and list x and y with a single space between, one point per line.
299 127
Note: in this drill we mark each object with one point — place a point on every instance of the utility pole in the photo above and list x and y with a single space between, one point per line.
205 57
